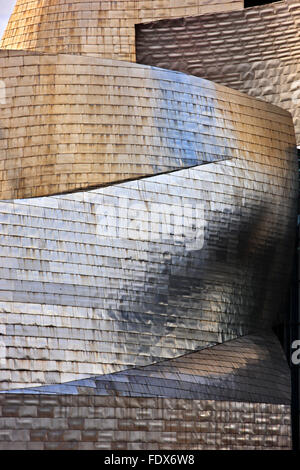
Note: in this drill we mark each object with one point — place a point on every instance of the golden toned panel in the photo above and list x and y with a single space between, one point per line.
76 122
100 27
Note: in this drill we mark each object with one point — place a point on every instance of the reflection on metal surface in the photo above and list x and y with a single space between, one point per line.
86 122
255 50
87 287
231 396
248 369
132 290
102 28
136 423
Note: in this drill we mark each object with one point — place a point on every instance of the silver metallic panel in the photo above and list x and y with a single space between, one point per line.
94 282
248 369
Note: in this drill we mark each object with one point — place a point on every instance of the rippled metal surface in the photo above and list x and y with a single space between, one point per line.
102 28
97 286
97 281
59 422
231 396
70 123
255 50
249 369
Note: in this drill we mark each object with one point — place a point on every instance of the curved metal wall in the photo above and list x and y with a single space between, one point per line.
72 122
127 275
231 396
103 28
255 50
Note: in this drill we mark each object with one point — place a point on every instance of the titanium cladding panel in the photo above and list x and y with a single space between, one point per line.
249 369
104 28
167 424
234 395
95 282
131 289
73 122
255 50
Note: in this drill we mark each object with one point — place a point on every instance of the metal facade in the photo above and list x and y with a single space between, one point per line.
255 50
139 315
105 28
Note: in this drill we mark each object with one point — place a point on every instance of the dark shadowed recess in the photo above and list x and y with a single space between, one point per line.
253 3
